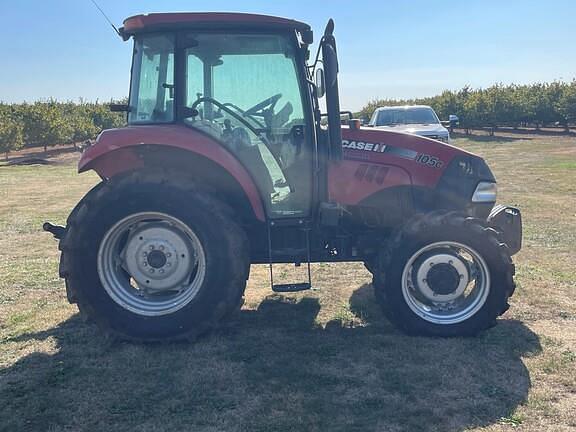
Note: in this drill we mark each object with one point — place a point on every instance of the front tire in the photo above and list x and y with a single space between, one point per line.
444 274
149 256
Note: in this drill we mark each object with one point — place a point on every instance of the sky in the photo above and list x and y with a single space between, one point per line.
64 49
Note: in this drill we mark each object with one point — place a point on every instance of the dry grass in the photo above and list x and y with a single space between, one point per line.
324 360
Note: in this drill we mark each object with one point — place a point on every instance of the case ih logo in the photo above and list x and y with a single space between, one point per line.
366 146
380 148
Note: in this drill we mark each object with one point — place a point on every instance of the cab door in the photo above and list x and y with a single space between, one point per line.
245 91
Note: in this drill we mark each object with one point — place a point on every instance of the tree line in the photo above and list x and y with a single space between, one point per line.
534 105
51 122
537 105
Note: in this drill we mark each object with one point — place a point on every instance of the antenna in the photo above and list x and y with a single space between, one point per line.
106 18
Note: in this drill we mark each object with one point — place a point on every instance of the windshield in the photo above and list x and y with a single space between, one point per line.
152 89
403 116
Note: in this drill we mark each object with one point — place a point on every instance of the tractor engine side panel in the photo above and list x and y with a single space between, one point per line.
383 174
351 181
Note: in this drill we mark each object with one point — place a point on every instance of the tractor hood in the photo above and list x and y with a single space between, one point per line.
377 162
374 141
423 159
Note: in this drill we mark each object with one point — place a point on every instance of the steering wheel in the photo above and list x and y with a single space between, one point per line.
262 109
224 108
241 111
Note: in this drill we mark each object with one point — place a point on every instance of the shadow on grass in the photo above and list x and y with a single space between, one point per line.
38 152
490 139
273 369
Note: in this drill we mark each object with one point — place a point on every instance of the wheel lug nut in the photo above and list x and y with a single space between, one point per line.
431 264
151 270
168 254
145 254
145 264
161 248
450 262
151 247
168 264
161 271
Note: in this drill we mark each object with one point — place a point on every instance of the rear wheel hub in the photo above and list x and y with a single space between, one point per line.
151 264
156 259
443 279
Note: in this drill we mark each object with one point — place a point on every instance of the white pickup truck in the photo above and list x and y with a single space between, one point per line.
415 119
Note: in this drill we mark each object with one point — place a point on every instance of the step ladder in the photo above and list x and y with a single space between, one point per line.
290 254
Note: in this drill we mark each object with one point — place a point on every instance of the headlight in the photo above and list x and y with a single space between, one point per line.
485 192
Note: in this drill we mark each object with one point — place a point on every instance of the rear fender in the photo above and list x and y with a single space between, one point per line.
120 150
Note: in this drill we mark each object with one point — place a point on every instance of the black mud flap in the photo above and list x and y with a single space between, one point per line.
508 221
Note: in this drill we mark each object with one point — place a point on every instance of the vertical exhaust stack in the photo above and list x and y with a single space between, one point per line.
330 59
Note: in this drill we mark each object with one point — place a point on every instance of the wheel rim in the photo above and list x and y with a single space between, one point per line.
151 264
446 282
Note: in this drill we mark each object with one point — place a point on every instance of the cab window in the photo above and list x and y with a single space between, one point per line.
244 90
152 89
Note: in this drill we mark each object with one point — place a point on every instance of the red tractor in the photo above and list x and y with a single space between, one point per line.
227 161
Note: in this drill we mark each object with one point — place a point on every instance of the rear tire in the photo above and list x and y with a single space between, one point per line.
462 296
105 268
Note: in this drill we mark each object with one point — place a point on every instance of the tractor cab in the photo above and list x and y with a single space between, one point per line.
243 81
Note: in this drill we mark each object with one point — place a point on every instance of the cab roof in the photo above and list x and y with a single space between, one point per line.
216 20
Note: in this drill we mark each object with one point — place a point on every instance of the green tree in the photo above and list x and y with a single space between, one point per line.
566 105
476 110
446 103
11 132
45 124
103 118
79 119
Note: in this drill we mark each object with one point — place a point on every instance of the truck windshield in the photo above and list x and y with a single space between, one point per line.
390 117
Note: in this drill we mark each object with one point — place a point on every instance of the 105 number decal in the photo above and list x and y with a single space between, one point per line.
431 161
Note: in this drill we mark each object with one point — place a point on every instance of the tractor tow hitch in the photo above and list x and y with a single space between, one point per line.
56 230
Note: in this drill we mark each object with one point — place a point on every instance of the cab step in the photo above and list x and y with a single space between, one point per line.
293 287
298 254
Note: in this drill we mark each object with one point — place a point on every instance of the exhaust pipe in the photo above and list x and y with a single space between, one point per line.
56 230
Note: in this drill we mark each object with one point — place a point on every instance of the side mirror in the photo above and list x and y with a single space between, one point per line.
453 120
119 108
320 83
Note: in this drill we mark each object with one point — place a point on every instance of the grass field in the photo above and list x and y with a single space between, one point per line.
322 361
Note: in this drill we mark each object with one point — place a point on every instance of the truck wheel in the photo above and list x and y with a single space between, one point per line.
444 274
150 257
